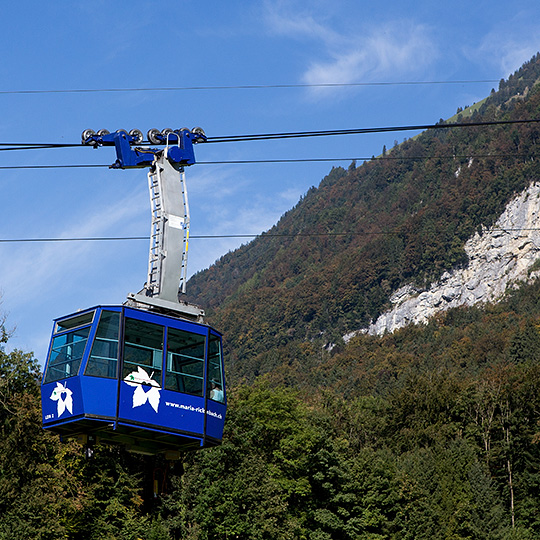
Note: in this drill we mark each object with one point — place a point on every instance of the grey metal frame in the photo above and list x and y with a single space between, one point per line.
169 241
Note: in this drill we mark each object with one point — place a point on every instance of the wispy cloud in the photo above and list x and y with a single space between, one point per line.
505 52
45 277
288 20
393 49
253 218
215 183
26 272
225 204
508 44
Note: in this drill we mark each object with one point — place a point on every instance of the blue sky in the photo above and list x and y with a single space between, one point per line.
63 46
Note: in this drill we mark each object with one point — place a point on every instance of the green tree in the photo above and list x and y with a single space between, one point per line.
47 489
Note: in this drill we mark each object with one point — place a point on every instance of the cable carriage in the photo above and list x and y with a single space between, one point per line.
147 374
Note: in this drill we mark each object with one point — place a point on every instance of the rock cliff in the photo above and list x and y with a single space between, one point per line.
499 258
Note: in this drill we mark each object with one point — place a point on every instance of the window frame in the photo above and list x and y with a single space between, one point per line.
214 337
65 332
168 362
97 338
134 365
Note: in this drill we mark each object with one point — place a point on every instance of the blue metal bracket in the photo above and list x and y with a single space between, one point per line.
179 143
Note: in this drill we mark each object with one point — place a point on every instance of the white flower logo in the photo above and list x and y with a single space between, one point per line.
62 394
140 397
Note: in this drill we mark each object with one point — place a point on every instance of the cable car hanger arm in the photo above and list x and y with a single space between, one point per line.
170 219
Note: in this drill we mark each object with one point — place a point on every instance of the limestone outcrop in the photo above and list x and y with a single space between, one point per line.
499 258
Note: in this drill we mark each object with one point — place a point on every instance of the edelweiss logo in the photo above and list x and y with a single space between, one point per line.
140 397
62 395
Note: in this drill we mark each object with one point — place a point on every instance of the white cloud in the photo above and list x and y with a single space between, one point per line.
40 280
214 182
245 215
506 53
371 53
30 269
394 50
508 44
297 25
290 196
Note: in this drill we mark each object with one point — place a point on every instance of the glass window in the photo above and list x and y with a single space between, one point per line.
185 362
74 322
104 354
67 351
215 377
143 348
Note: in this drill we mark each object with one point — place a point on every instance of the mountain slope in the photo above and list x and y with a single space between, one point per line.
331 264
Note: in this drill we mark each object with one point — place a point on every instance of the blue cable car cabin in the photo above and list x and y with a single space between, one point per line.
150 382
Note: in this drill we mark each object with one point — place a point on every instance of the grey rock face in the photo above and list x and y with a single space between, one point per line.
498 258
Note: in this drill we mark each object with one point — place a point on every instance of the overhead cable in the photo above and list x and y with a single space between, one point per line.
15 167
4 147
225 236
296 134
357 131
246 87
292 160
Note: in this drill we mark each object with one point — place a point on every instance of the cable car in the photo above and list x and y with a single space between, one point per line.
150 382
147 374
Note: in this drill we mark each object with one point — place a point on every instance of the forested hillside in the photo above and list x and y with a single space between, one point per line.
432 432
331 263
